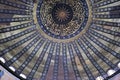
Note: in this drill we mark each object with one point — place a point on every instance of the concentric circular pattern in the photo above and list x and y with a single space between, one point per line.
62 14
26 52
62 20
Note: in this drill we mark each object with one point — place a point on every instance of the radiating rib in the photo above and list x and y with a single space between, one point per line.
107 9
16 19
106 23
107 16
65 64
74 66
15 12
3 52
117 55
104 37
108 31
38 61
22 9
16 5
90 57
56 63
17 27
30 57
105 2
47 63
81 59
100 55
4 40
24 50
28 2
96 1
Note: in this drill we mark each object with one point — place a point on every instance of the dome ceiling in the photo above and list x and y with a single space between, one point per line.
57 18
60 39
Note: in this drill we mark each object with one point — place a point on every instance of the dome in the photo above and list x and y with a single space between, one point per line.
60 39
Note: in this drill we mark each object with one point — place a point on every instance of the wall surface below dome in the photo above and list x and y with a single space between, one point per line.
60 39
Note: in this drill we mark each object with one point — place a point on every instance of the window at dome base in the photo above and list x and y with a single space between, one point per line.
60 39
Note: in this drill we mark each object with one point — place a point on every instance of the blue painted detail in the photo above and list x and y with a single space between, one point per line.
1 73
85 7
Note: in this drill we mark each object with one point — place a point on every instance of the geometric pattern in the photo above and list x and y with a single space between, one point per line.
62 20
31 52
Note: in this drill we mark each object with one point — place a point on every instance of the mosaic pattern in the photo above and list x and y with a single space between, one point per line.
62 20
37 39
62 13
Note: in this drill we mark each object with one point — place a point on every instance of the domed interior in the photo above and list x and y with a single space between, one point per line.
60 39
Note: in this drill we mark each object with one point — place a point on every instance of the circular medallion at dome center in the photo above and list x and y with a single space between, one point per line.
62 14
62 20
